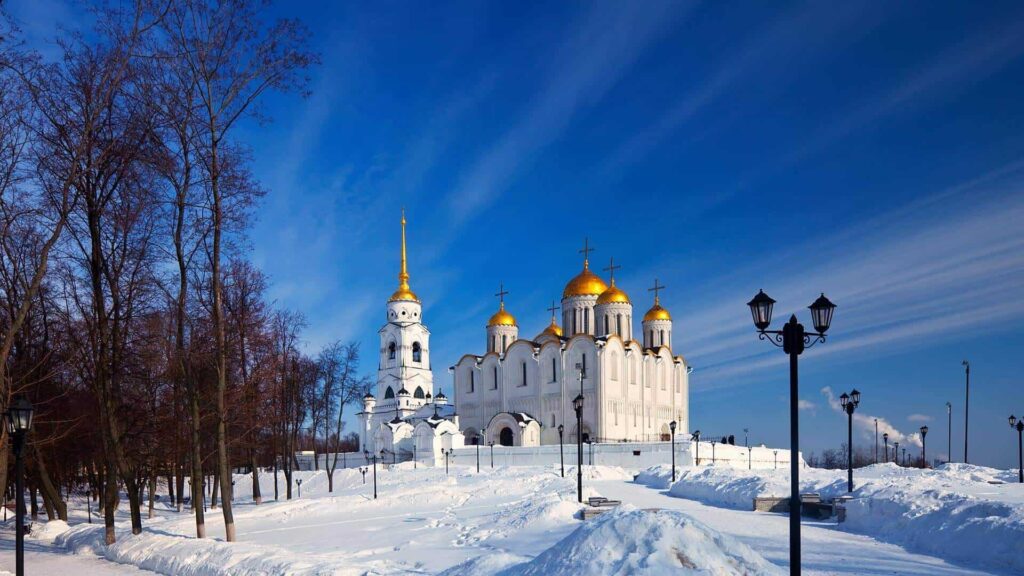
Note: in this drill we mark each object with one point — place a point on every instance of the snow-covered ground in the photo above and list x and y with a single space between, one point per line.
523 520
964 513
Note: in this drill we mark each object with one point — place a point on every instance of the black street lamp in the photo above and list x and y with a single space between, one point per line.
672 428
19 424
447 453
299 482
793 340
696 438
949 432
924 458
479 439
896 453
1018 425
364 471
373 456
885 452
849 404
561 448
967 399
904 455
776 452
746 444
876 441
491 443
577 405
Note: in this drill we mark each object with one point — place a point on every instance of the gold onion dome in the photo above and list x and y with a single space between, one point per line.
586 283
502 318
613 295
657 313
403 292
553 329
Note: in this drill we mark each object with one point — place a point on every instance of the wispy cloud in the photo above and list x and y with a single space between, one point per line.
598 51
965 252
864 423
919 418
806 404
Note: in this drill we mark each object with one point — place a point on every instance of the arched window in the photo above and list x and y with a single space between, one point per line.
573 323
391 351
494 343
472 380
662 338
586 320
504 343
389 393
614 362
418 393
554 370
524 374
495 377
552 420
417 352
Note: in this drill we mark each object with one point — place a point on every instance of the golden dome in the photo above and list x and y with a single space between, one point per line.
502 318
403 292
613 295
657 313
553 329
585 283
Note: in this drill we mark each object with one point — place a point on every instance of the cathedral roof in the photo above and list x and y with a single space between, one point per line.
502 318
613 295
586 283
657 313
403 292
553 329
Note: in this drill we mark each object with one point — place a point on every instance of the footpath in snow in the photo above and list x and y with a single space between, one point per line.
963 513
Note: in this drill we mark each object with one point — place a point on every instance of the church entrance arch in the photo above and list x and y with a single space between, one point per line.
506 438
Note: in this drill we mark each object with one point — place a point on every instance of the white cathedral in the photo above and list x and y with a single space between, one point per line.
520 391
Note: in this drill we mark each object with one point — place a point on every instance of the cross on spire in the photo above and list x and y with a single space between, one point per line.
586 252
611 269
656 288
554 308
501 294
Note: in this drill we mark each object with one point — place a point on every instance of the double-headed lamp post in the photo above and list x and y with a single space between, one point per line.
19 423
793 339
561 449
672 428
577 405
1015 424
924 453
695 438
849 404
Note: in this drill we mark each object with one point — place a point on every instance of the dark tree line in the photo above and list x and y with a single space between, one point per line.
129 314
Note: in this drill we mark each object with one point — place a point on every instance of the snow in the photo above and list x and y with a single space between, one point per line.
632 541
522 520
960 512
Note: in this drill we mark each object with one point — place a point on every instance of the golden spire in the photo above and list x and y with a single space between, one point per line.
613 294
403 292
502 317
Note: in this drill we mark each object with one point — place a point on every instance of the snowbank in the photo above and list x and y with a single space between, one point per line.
632 541
959 512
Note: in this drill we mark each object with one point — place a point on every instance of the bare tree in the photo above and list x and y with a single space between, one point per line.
341 385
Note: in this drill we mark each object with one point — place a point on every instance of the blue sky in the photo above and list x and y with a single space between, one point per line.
871 151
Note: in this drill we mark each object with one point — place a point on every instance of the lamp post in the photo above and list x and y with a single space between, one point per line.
904 455
896 453
479 439
1017 425
967 399
561 448
876 441
19 424
672 428
885 452
849 404
299 482
414 462
491 444
368 456
446 453
793 340
364 470
747 444
696 438
924 458
577 405
776 452
949 432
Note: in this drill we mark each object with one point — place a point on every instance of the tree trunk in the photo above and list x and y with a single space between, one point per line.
51 496
256 495
152 493
197 463
216 490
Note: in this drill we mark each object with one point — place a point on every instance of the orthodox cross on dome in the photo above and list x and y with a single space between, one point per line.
656 288
586 252
501 294
611 270
554 308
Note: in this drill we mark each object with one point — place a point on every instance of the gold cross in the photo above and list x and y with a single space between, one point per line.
656 288
586 250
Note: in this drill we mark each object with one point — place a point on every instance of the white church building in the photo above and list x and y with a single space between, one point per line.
521 390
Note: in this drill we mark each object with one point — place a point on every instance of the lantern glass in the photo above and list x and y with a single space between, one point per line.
561 428
577 402
821 313
19 416
1013 421
761 310
924 431
855 396
885 436
672 426
844 399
